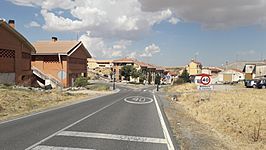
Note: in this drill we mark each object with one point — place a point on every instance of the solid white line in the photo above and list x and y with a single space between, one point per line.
113 137
51 109
42 147
54 134
165 130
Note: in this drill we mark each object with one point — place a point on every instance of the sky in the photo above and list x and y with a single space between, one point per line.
162 32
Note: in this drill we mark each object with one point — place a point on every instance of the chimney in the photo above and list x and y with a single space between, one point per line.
12 23
54 39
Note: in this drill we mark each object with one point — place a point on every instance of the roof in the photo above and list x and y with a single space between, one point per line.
104 61
125 60
196 62
58 47
202 74
17 34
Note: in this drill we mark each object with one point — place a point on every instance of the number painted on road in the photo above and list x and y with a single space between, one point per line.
138 100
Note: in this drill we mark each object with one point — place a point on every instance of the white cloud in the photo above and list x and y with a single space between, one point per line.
213 13
122 44
98 48
33 24
103 18
173 20
150 50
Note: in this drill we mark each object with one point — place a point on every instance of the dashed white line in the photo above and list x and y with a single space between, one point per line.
170 144
113 137
43 147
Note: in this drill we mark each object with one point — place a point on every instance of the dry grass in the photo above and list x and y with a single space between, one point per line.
16 102
237 115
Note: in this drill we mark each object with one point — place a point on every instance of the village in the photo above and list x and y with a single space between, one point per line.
58 63
56 69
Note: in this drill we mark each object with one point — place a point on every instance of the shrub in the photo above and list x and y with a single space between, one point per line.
179 81
81 82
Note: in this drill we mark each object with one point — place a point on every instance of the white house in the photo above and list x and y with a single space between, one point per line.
231 75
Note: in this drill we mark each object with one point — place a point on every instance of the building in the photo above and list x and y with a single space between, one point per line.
92 64
253 71
230 76
148 70
119 63
241 64
59 62
104 64
194 68
15 55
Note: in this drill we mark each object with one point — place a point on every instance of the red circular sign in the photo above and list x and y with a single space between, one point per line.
205 80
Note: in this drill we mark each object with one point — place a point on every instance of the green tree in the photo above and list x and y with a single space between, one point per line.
81 82
142 76
129 71
185 76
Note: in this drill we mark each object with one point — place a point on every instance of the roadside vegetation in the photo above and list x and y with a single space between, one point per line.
16 101
236 117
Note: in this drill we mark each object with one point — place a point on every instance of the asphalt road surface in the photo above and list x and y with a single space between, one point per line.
127 120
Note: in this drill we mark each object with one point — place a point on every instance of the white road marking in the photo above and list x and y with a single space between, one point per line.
52 135
113 137
138 100
42 147
170 144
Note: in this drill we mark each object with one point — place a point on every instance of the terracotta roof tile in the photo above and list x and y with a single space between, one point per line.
62 47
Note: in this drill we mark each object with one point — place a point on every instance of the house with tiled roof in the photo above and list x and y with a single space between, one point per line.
59 63
194 67
15 55
148 70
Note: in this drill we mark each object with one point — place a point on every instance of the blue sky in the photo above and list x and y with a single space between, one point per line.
147 30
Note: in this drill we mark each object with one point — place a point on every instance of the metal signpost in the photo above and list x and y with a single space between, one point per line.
205 86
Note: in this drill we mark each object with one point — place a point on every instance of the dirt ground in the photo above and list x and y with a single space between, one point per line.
15 102
231 118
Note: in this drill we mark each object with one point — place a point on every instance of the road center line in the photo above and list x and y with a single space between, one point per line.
42 147
52 135
113 137
170 144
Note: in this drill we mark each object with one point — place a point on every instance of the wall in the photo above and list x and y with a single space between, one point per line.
51 66
194 69
77 65
7 78
16 57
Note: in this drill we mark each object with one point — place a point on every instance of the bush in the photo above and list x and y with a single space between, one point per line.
81 82
179 81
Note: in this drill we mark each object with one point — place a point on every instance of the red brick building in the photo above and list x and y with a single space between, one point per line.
62 61
15 55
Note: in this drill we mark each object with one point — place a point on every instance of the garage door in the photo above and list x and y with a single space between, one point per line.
227 78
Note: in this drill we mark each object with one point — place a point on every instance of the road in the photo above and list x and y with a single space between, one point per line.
127 120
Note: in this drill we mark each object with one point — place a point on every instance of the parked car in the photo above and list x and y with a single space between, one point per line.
261 84
251 83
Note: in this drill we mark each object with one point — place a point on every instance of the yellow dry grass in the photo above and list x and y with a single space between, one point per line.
16 102
236 115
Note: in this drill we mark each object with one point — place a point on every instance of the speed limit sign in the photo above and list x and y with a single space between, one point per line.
205 80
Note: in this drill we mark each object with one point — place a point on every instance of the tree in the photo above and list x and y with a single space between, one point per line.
185 76
129 71
142 76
